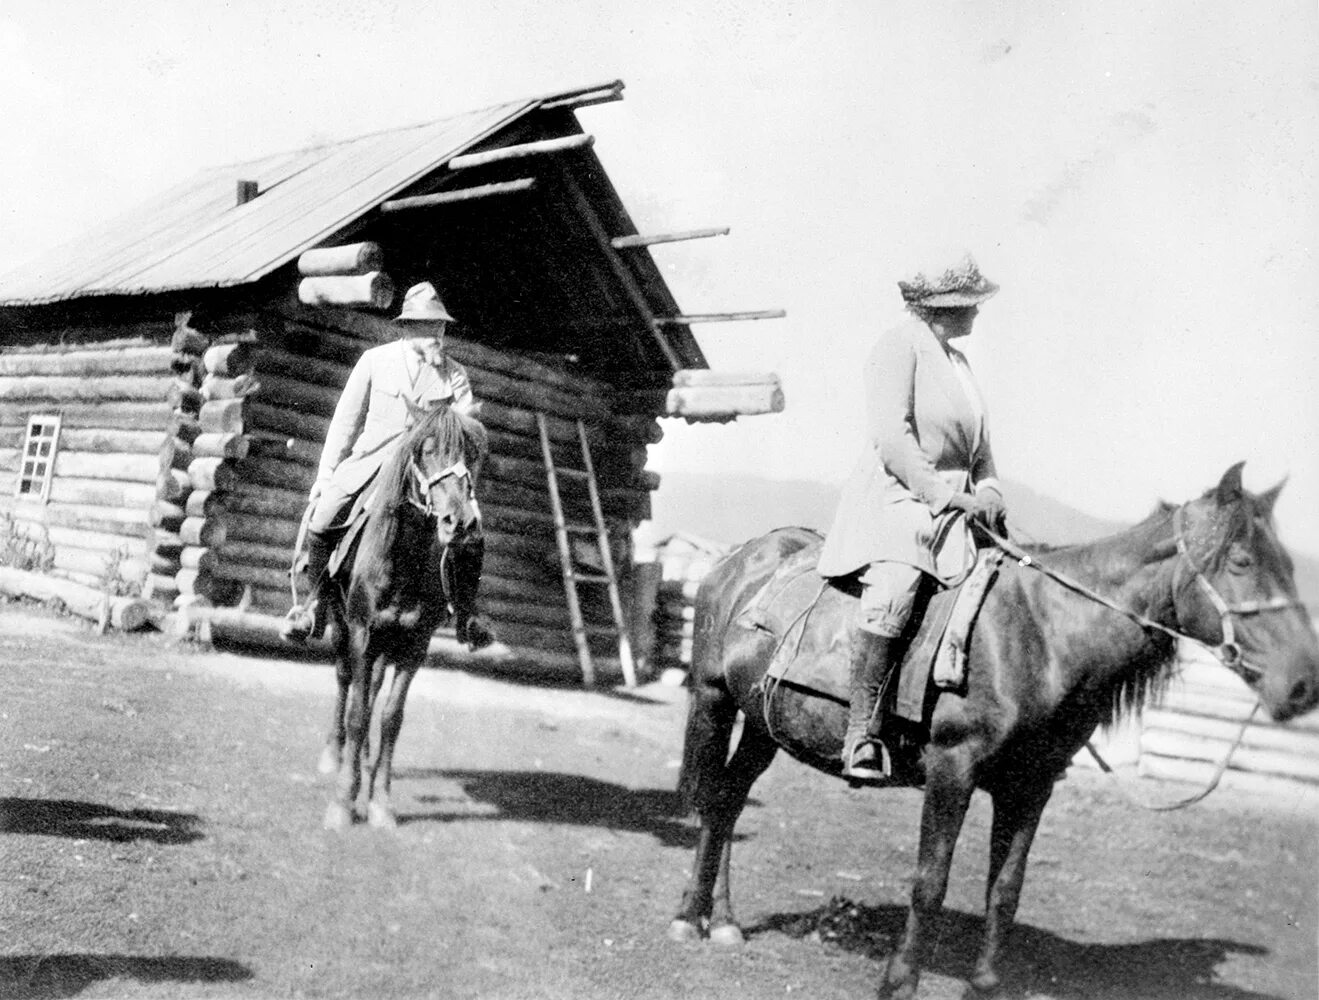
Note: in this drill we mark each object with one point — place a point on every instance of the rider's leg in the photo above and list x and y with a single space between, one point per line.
888 598
467 557
307 620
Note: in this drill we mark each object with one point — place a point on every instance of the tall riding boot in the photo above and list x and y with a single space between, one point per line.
865 758
467 557
307 621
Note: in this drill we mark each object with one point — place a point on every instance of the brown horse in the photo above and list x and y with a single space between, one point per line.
1046 666
389 597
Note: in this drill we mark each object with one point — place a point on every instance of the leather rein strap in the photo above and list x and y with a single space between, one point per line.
1227 652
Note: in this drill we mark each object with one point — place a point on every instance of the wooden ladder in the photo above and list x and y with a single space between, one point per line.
563 530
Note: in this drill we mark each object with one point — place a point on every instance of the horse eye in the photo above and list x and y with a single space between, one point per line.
1239 560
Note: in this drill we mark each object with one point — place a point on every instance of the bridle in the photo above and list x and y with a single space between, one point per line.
1228 652
422 500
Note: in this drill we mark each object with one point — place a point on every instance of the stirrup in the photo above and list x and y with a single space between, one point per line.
302 624
875 767
475 632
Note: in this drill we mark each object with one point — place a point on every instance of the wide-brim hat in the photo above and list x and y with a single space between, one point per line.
422 304
957 282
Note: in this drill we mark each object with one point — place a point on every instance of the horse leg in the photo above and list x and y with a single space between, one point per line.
948 788
720 793
1017 813
379 812
332 752
339 813
755 752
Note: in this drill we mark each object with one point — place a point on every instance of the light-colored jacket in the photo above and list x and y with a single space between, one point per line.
926 440
372 413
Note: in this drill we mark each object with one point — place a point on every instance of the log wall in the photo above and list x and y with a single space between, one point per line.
112 392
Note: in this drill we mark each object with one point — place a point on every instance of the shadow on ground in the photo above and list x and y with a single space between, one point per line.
553 797
1035 961
53 977
93 821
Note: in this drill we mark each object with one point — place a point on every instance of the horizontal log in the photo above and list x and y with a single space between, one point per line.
164 514
724 401
632 242
185 397
374 290
164 541
223 416
172 484
183 426
125 613
222 387
220 445
586 97
212 474
53 388
143 360
267 502
258 554
274 472
143 415
207 532
108 493
122 466
1302 766
288 364
265 444
187 339
160 587
254 528
1265 735
541 147
352 258
723 317
127 522
458 195
301 397
266 416
709 377
104 566
198 558
230 360
160 561
206 503
269 577
175 454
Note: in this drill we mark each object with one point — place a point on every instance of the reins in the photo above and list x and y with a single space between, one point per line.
1227 652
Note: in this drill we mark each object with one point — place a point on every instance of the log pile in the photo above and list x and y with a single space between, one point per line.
112 397
684 563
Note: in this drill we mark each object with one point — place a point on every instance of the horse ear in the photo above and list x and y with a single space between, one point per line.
1229 487
1268 498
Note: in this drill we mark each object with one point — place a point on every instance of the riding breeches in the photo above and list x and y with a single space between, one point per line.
888 597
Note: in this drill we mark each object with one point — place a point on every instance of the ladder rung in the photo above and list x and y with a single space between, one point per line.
591 577
579 473
582 529
600 630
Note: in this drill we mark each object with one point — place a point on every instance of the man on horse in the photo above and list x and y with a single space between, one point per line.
387 384
925 465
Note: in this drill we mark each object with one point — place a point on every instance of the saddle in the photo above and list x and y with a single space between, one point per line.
811 620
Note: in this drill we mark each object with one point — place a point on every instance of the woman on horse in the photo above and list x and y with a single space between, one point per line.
926 464
387 384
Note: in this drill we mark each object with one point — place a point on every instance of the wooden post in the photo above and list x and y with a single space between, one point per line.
631 242
461 194
543 147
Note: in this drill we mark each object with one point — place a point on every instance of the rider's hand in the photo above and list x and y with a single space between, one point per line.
989 510
962 502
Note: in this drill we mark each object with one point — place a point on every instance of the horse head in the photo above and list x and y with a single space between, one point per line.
445 450
1236 591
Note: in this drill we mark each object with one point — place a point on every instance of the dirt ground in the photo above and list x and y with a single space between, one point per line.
160 837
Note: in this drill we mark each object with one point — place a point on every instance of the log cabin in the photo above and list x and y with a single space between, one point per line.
166 380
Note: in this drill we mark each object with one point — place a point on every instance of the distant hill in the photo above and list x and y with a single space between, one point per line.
731 509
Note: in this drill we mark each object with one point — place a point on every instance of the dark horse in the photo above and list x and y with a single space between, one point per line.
1046 666
389 597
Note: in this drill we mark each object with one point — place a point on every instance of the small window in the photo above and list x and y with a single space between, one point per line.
43 433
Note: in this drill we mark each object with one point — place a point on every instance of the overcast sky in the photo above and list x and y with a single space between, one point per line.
1139 177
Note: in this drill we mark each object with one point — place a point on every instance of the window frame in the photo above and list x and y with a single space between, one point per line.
35 469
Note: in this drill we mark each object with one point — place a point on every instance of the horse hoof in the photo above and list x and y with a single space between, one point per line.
380 817
338 816
683 930
727 935
329 762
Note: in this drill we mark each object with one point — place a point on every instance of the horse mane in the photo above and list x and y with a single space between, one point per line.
458 437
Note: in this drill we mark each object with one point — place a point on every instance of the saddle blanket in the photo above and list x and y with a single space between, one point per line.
811 618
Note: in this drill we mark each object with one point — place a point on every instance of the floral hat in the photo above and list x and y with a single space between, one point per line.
958 282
